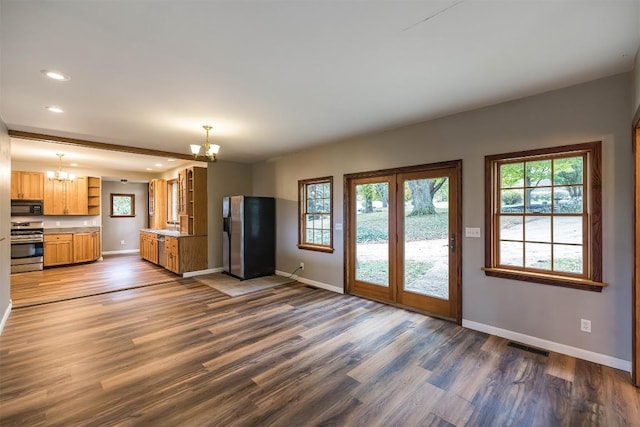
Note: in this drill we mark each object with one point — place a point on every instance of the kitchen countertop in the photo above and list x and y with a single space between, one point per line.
171 233
70 230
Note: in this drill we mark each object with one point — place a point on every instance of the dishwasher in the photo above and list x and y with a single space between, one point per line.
161 258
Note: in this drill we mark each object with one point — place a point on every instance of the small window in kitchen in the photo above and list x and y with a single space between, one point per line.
172 201
315 206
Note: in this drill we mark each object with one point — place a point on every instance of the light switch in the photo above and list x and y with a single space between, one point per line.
338 226
472 232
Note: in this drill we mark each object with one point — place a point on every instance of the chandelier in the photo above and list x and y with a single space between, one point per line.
60 175
210 150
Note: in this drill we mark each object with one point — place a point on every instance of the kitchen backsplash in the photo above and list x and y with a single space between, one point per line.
62 221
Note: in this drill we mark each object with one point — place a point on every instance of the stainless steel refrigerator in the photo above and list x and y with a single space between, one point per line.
249 236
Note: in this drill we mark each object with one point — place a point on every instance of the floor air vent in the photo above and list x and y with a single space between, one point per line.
527 348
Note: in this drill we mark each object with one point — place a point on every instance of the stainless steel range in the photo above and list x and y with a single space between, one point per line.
27 247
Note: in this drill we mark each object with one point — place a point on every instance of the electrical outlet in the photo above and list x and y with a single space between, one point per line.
585 325
302 265
122 242
57 223
85 222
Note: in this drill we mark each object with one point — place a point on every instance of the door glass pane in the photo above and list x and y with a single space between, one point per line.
426 237
372 234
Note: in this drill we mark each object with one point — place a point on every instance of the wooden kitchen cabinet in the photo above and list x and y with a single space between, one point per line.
158 203
69 197
182 253
27 185
97 245
93 193
182 192
149 246
193 219
58 249
171 252
70 248
83 247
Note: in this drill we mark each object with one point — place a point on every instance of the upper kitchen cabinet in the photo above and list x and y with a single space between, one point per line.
77 197
157 203
193 218
93 191
27 185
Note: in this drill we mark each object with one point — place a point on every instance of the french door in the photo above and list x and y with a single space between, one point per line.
403 237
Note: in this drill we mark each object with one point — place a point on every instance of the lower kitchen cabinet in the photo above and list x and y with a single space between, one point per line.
149 246
171 252
58 249
182 254
83 247
71 248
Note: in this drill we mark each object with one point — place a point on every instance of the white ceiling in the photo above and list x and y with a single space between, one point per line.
277 76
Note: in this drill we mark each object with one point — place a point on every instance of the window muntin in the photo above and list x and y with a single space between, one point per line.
541 214
316 214
544 216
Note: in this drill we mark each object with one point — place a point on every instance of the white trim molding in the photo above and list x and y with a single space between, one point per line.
5 316
576 352
125 251
313 283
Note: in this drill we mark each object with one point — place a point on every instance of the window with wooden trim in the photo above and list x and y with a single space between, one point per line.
315 207
172 201
123 205
543 216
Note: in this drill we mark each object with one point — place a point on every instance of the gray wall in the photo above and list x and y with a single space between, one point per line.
597 110
128 229
5 219
223 179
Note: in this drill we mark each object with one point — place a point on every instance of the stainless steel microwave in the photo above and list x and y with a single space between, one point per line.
26 207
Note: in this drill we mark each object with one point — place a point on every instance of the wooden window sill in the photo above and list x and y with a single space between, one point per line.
546 279
316 248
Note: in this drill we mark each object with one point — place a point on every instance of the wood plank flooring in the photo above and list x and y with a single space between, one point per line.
115 272
181 353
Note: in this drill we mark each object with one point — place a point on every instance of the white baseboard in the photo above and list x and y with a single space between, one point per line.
5 316
576 352
312 282
125 251
203 272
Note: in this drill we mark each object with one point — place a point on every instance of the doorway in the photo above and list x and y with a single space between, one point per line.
403 237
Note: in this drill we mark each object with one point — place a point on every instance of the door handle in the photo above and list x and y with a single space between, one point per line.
452 242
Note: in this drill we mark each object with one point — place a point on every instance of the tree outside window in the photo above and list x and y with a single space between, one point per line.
123 205
315 230
543 216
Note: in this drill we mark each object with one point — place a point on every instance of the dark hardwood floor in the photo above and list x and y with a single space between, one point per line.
181 353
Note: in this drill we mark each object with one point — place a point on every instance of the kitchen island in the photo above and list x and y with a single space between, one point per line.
177 252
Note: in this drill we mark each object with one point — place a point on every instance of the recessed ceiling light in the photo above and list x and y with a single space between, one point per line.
149 169
73 164
54 109
171 160
55 75
158 165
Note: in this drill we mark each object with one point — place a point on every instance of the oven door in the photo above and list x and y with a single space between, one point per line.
21 250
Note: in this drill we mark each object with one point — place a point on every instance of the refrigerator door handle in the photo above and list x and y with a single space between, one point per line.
225 226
